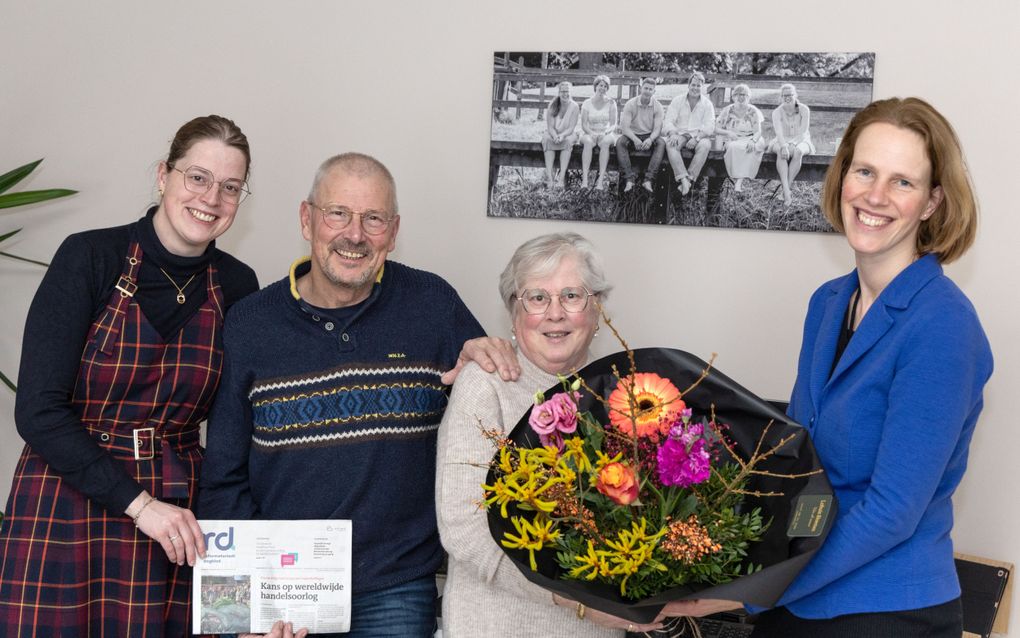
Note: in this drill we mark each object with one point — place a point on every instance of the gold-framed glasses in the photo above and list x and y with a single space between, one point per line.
339 217
199 180
536 301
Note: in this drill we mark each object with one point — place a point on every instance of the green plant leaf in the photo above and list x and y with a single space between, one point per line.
11 200
31 261
8 382
10 178
24 198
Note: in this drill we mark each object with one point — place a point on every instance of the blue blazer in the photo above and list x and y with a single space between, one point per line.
892 427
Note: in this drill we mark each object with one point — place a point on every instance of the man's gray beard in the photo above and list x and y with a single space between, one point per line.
341 244
353 285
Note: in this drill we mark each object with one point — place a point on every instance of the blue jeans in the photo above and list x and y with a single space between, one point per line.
403 611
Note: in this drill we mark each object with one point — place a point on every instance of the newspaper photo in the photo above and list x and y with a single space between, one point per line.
258 572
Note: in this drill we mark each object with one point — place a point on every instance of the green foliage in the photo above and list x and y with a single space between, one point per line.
24 198
10 384
592 432
715 503
10 179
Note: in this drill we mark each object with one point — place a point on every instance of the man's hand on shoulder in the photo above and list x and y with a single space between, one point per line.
492 354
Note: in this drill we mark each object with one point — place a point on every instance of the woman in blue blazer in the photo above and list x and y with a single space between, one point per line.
889 383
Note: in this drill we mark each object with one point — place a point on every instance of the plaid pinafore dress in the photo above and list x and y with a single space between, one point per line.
70 568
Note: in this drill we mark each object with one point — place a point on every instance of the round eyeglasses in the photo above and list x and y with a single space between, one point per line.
537 301
339 217
199 180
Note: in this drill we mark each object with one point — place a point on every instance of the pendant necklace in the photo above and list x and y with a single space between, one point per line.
180 289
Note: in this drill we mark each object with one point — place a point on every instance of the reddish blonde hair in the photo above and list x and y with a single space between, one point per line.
951 228
209 127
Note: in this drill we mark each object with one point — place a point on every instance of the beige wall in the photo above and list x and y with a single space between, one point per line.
98 88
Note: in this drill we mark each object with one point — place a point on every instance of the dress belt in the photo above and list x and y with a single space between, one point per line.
146 444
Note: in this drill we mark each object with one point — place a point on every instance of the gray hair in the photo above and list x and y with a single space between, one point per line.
359 165
540 256
746 89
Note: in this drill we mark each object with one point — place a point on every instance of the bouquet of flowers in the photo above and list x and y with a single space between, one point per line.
624 492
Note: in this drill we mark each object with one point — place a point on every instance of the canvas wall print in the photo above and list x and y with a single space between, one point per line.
718 139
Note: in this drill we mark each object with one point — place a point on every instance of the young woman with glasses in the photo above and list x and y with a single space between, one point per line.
120 360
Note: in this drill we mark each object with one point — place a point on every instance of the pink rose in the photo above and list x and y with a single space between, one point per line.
557 414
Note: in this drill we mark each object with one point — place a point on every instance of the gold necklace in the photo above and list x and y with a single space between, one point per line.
180 289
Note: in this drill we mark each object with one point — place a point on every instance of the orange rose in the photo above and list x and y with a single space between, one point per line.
619 483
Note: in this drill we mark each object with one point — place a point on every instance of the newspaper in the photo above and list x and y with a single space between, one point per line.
258 572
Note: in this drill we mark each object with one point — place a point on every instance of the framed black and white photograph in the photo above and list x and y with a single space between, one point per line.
719 139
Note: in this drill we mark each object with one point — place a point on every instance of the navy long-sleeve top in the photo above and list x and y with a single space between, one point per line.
73 293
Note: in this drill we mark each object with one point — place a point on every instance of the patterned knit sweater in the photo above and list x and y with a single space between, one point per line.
335 416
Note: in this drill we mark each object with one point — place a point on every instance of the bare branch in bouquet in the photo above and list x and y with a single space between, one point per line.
747 468
702 376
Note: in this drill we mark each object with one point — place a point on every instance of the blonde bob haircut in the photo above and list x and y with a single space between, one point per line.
951 228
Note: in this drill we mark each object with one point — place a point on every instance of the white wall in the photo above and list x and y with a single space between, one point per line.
98 88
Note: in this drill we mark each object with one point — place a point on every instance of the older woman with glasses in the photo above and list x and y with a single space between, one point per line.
551 288
120 361
739 126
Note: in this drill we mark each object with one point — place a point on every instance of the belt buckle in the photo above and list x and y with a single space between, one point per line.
152 443
127 288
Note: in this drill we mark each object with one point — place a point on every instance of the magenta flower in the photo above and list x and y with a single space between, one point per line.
687 433
555 417
683 459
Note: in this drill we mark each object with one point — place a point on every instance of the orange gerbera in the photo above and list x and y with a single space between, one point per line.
656 406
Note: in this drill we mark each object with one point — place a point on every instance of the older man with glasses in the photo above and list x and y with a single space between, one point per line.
333 392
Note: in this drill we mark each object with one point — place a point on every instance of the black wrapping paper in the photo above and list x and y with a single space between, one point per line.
746 416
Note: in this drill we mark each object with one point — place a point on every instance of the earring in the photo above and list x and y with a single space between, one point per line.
161 192
513 335
596 331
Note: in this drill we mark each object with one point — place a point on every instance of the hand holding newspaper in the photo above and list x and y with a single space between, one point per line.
258 572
